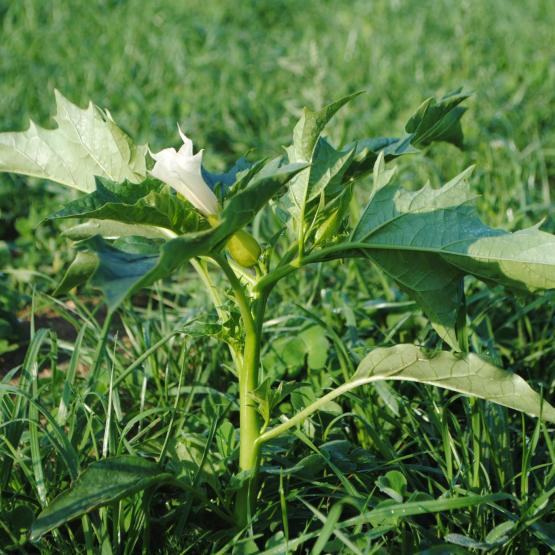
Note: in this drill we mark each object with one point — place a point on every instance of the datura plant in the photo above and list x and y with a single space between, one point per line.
144 215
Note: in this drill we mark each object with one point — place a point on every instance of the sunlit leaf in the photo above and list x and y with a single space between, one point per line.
328 165
310 127
429 239
86 144
467 374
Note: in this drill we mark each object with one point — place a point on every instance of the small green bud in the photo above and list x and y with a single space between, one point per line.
244 248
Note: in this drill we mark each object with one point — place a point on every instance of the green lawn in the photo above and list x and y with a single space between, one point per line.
235 75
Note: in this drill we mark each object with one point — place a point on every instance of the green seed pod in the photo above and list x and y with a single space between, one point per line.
244 248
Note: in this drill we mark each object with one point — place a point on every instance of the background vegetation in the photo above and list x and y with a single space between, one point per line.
235 75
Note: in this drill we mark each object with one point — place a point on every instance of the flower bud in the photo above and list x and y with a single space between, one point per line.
244 248
182 170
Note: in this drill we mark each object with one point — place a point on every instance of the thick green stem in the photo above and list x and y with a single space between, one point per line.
249 429
249 425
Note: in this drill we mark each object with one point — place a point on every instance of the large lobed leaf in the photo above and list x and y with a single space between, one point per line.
86 143
428 240
103 482
467 374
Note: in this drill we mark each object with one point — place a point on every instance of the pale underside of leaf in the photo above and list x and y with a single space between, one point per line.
86 143
111 229
467 374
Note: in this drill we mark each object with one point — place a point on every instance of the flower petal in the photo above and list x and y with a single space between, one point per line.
187 147
182 171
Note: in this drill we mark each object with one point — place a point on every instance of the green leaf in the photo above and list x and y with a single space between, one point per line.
331 171
118 272
81 269
310 127
138 244
433 121
429 239
312 193
501 533
103 482
467 374
271 179
328 169
267 396
106 192
393 484
111 229
413 508
468 543
367 151
147 204
328 165
86 143
226 179
438 121
316 345
289 353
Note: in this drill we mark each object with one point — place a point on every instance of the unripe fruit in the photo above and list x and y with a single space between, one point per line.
244 248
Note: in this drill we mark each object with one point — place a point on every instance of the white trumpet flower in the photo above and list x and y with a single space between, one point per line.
181 170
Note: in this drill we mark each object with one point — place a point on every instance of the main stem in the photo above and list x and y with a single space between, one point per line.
249 426
249 429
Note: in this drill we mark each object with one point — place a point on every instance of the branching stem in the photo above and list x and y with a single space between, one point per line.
249 426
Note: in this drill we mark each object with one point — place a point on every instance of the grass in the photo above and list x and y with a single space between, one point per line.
375 473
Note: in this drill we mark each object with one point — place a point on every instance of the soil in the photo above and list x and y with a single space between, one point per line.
50 319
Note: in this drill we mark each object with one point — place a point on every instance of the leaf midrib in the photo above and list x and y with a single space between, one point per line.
434 250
